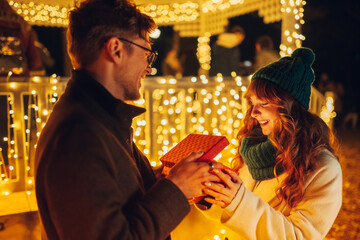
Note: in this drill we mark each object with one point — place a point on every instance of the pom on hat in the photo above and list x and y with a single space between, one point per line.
307 56
292 73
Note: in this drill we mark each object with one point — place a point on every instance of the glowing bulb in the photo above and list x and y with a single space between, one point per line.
155 34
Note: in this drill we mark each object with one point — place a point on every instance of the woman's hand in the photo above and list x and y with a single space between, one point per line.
225 191
190 175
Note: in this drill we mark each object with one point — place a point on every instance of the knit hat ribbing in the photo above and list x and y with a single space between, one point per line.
292 73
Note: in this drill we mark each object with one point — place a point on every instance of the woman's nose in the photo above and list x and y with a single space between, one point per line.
255 111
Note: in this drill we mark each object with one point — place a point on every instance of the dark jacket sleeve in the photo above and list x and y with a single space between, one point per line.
98 193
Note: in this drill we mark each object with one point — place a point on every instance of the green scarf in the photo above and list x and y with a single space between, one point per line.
260 156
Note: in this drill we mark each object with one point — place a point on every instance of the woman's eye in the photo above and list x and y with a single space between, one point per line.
264 104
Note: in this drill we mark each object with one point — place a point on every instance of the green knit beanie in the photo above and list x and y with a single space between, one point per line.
292 73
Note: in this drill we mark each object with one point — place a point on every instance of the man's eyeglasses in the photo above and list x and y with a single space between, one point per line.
150 58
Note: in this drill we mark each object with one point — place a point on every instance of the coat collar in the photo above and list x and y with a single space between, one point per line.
118 108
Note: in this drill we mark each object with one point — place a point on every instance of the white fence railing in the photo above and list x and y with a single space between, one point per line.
175 108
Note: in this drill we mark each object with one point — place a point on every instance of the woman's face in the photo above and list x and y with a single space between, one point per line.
265 113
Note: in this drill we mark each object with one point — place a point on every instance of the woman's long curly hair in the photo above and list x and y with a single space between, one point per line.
299 137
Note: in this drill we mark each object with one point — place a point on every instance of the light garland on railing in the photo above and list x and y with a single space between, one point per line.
327 112
292 9
8 171
12 150
204 51
201 106
33 122
175 109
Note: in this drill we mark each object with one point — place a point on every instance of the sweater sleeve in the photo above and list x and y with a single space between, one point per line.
312 218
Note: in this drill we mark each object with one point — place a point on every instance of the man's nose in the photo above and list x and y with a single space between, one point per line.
149 70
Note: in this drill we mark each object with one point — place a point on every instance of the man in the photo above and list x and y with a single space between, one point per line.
226 53
264 52
92 182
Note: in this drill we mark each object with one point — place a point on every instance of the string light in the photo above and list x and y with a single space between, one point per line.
327 112
42 14
292 37
203 51
27 121
171 13
190 19
188 107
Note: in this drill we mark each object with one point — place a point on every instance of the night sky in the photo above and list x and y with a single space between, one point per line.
332 30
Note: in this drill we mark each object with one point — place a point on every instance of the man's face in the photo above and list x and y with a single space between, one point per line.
135 69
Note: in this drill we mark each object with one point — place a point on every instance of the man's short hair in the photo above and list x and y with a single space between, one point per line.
93 22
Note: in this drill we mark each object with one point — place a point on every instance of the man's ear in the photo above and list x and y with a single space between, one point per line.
115 49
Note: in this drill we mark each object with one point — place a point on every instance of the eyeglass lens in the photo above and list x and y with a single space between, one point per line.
150 58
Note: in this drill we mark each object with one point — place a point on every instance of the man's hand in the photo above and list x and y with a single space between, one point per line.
190 175
158 170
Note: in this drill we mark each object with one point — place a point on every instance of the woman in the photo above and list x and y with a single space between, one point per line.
290 182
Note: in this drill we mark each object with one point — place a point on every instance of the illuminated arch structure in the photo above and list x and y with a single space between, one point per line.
196 18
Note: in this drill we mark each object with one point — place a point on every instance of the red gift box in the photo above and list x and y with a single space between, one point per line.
210 145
